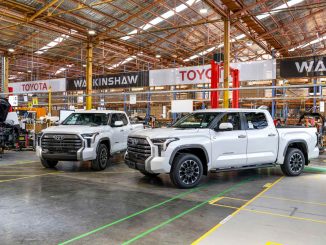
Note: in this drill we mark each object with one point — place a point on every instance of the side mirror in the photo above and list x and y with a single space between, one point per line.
118 123
225 127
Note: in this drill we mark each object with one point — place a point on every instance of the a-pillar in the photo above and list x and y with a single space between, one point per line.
5 75
226 61
89 77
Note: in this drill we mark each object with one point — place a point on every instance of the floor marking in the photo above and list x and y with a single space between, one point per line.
285 216
4 175
293 200
237 211
315 169
215 200
31 176
238 199
225 206
145 233
132 215
18 163
273 243
267 185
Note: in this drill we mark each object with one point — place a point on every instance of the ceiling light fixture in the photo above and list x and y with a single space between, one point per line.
161 18
91 32
309 43
29 71
11 50
158 56
283 6
122 62
203 11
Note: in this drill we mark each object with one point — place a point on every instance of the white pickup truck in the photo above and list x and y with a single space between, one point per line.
84 136
220 139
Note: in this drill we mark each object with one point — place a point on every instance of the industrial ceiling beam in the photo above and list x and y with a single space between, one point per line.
42 10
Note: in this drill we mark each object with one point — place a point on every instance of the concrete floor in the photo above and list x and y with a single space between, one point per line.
74 205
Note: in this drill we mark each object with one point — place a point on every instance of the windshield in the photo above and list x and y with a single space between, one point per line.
91 119
196 120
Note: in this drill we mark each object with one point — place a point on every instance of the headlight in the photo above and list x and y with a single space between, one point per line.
163 143
92 136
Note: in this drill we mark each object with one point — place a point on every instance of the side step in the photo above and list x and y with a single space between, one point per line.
217 170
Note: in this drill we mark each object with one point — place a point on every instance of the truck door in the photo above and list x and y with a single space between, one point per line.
126 129
262 138
117 133
229 146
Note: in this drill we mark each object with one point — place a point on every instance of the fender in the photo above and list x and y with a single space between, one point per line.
104 139
295 141
189 146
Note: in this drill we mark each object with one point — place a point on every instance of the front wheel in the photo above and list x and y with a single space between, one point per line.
186 171
293 163
102 158
49 163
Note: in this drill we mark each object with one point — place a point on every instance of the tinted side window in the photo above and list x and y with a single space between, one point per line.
233 118
256 120
114 118
123 118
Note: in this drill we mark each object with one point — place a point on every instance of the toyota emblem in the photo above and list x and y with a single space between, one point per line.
58 137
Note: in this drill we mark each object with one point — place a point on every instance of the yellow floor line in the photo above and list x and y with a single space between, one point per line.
215 200
238 199
237 211
224 206
5 175
285 216
8 180
293 200
18 163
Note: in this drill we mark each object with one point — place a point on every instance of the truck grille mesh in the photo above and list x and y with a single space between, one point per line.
61 143
138 149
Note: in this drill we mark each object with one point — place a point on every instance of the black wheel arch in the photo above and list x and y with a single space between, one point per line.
106 141
298 144
195 149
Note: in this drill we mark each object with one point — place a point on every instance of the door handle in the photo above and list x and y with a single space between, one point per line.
241 136
271 135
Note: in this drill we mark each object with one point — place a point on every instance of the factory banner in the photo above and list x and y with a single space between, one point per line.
249 71
57 85
313 66
121 80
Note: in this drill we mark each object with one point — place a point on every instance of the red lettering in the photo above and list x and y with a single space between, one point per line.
191 77
23 85
200 73
45 87
182 75
208 73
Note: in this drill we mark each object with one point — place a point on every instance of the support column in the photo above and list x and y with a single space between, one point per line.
226 61
5 75
89 77
50 101
315 94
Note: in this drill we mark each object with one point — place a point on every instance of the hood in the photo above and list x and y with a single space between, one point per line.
4 109
72 129
164 132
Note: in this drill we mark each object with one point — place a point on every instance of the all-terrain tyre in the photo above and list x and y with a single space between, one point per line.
49 163
294 162
186 171
102 158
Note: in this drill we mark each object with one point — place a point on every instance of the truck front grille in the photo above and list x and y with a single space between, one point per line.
138 149
61 143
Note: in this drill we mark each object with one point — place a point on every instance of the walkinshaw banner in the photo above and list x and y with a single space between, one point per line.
121 80
313 66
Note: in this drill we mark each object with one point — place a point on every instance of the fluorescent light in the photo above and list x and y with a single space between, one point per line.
203 11
317 40
11 50
161 18
91 32
54 43
122 62
84 65
283 6
158 56
29 71
62 69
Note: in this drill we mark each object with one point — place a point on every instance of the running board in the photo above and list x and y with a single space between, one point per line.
217 170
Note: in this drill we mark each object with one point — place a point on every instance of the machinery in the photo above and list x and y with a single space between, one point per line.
9 126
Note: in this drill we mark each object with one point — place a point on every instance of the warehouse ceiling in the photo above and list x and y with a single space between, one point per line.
48 39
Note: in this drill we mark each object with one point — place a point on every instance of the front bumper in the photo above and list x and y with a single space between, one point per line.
153 164
83 154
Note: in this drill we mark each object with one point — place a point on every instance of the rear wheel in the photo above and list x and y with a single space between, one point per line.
293 163
151 175
102 158
187 170
49 163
